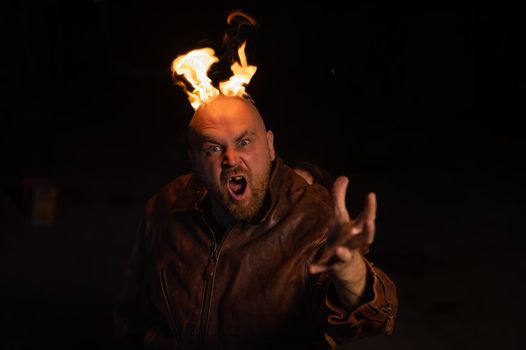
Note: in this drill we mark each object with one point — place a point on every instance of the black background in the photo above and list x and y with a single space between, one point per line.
419 103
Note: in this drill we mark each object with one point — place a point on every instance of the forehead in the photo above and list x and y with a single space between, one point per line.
227 116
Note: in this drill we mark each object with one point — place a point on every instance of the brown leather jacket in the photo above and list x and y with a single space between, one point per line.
185 290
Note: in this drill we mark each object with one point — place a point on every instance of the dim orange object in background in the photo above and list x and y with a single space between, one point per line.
39 200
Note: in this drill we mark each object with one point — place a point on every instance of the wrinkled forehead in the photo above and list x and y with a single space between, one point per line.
227 112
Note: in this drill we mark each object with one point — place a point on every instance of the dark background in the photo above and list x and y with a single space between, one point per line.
419 103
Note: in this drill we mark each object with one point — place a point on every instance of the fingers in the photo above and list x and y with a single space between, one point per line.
357 241
331 253
338 194
361 230
339 190
370 229
370 207
366 222
317 268
370 217
352 236
342 255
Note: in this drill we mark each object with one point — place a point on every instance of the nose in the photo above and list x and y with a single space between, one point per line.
230 158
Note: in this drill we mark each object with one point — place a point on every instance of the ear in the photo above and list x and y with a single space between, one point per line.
270 144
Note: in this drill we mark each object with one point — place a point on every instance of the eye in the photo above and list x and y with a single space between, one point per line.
212 149
244 142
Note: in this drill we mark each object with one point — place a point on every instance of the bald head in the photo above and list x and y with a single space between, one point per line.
223 111
232 152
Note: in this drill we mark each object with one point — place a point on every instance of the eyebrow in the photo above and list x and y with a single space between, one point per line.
245 134
206 138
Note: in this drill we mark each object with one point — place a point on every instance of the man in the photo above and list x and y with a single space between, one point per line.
244 254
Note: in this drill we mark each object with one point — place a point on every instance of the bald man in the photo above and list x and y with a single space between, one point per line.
244 254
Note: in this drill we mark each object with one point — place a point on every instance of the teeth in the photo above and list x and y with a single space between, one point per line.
238 178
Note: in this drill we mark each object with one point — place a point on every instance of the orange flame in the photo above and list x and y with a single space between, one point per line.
194 67
235 86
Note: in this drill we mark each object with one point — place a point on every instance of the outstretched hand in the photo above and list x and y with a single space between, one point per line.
349 239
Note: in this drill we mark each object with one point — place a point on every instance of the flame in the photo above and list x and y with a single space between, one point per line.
194 67
235 86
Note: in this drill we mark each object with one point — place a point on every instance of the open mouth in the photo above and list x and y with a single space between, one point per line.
237 186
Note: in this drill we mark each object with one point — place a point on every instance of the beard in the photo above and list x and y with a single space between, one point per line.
247 209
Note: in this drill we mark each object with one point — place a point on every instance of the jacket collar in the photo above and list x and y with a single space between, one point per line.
192 194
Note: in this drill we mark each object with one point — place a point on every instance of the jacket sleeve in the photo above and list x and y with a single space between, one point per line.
376 315
136 322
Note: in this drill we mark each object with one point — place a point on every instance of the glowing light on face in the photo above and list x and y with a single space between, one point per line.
194 67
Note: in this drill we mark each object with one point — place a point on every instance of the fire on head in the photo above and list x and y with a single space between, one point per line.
230 148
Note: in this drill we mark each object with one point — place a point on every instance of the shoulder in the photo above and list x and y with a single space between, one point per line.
309 192
305 210
164 199
312 199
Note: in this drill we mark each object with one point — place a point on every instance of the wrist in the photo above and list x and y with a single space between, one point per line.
350 291
350 295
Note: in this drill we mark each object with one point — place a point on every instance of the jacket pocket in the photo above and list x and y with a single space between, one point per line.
169 310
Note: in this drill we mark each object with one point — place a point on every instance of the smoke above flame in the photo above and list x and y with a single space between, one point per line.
194 67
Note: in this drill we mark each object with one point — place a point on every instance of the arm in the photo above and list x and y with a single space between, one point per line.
374 314
359 298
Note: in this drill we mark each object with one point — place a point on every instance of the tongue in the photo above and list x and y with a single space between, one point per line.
237 187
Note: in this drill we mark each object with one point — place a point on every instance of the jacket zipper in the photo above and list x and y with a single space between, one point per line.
171 318
209 279
208 276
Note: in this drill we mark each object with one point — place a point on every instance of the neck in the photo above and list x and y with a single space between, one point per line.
220 214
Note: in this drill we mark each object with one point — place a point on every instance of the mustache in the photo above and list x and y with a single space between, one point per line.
228 173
